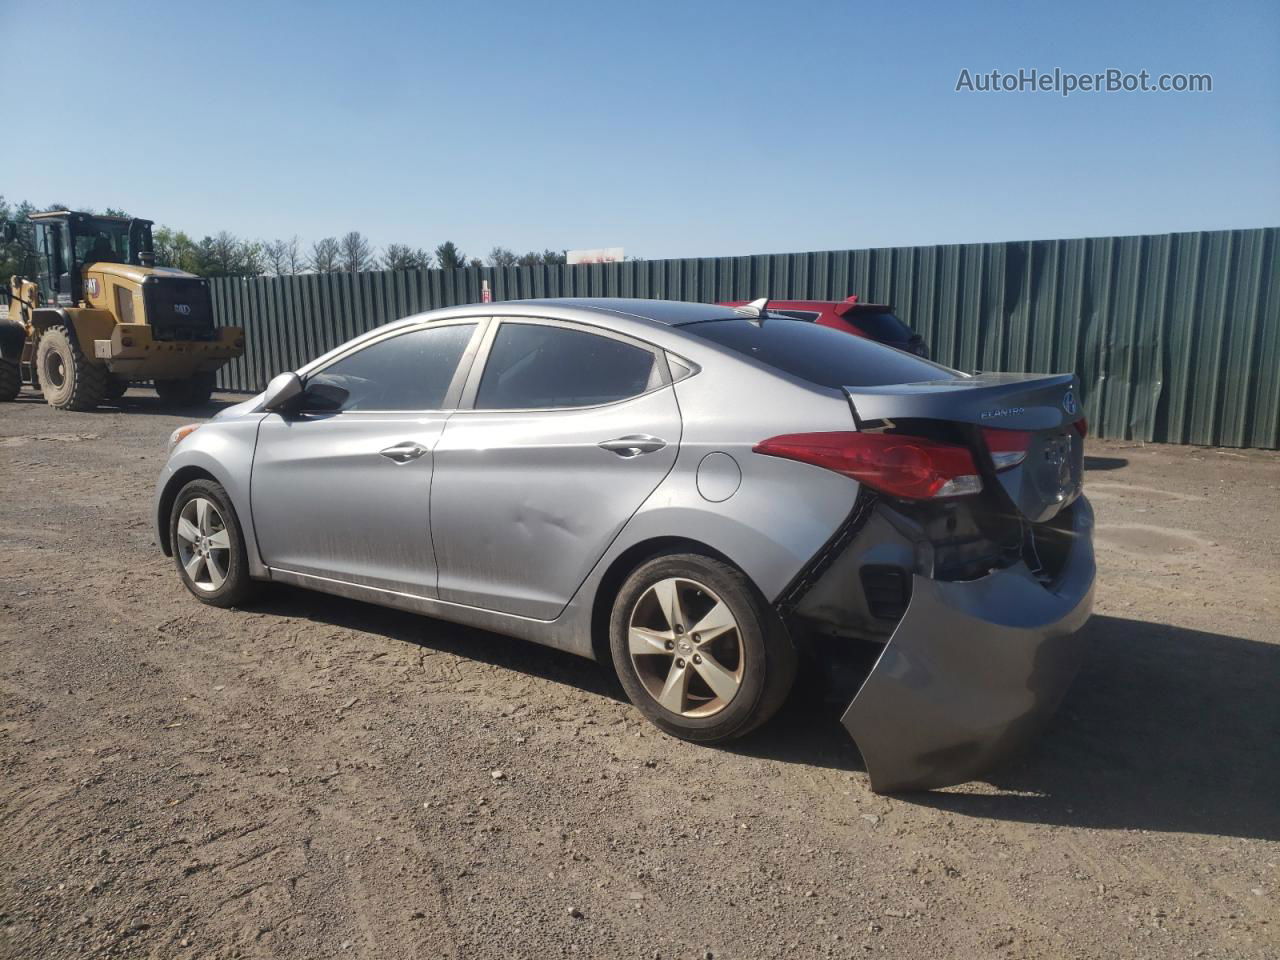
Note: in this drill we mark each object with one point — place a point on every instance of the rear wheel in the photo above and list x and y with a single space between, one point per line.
10 380
172 391
199 389
698 650
192 392
116 386
209 547
67 379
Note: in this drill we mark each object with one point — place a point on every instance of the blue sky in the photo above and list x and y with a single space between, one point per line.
671 129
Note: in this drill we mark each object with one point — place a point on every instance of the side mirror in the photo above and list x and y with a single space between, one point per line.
281 391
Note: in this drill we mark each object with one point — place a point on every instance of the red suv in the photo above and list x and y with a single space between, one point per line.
875 321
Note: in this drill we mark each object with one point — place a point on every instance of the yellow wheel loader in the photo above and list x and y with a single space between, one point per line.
100 314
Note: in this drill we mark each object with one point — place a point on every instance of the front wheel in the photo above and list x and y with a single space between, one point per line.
68 379
208 546
698 649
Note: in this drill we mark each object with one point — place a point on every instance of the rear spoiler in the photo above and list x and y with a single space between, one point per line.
852 303
1018 401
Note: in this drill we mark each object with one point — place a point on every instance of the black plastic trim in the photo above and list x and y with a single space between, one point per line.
819 563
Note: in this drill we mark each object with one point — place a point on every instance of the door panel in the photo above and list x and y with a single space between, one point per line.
327 501
340 488
523 503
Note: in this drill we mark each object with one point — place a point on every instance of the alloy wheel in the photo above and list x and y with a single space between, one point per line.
686 647
204 545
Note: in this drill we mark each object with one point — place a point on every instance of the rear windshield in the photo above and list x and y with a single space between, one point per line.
821 355
882 326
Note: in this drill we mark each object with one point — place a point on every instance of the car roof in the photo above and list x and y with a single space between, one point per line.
671 313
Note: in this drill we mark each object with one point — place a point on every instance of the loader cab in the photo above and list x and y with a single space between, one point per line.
66 242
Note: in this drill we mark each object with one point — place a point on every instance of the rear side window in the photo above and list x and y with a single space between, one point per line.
533 366
821 355
881 326
409 372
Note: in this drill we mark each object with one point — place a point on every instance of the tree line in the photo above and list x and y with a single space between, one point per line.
226 255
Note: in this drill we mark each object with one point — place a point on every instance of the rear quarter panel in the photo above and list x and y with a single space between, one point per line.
782 512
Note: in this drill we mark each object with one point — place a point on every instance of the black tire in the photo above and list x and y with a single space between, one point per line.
10 381
192 392
199 389
237 588
766 654
173 392
68 380
116 386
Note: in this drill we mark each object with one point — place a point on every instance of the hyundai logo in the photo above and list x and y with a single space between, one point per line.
1069 402
185 310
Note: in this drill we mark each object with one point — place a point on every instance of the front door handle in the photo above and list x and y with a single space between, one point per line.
633 445
404 452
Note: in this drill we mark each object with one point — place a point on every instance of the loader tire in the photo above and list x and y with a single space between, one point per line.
200 389
116 386
68 380
193 392
10 381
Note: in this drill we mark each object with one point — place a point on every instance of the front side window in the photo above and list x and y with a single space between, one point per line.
411 371
534 366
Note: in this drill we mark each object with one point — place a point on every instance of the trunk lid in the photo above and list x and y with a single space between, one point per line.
1045 407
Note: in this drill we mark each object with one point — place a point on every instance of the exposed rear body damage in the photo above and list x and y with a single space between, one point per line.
972 669
976 598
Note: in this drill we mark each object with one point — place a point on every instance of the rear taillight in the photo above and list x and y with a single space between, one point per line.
1008 448
1082 427
902 466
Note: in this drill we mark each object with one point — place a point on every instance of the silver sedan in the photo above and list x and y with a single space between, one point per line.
699 495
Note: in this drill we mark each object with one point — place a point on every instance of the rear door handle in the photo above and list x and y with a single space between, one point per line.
404 452
633 445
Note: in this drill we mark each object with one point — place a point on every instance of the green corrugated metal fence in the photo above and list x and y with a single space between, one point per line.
1176 337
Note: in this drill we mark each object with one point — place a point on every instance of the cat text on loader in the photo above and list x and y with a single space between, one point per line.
99 314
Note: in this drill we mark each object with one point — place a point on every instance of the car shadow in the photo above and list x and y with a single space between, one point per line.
441 636
1105 463
1165 729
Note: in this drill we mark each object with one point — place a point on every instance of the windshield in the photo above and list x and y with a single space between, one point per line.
821 355
102 240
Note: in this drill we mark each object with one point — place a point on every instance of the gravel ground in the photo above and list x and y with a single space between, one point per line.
316 777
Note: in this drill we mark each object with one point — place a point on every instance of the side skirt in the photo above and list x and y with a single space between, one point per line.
550 633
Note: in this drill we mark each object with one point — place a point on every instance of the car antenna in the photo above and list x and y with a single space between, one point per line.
755 311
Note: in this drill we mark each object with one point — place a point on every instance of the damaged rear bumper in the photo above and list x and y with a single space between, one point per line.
972 670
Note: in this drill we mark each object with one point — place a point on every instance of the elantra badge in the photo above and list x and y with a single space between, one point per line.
1002 412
